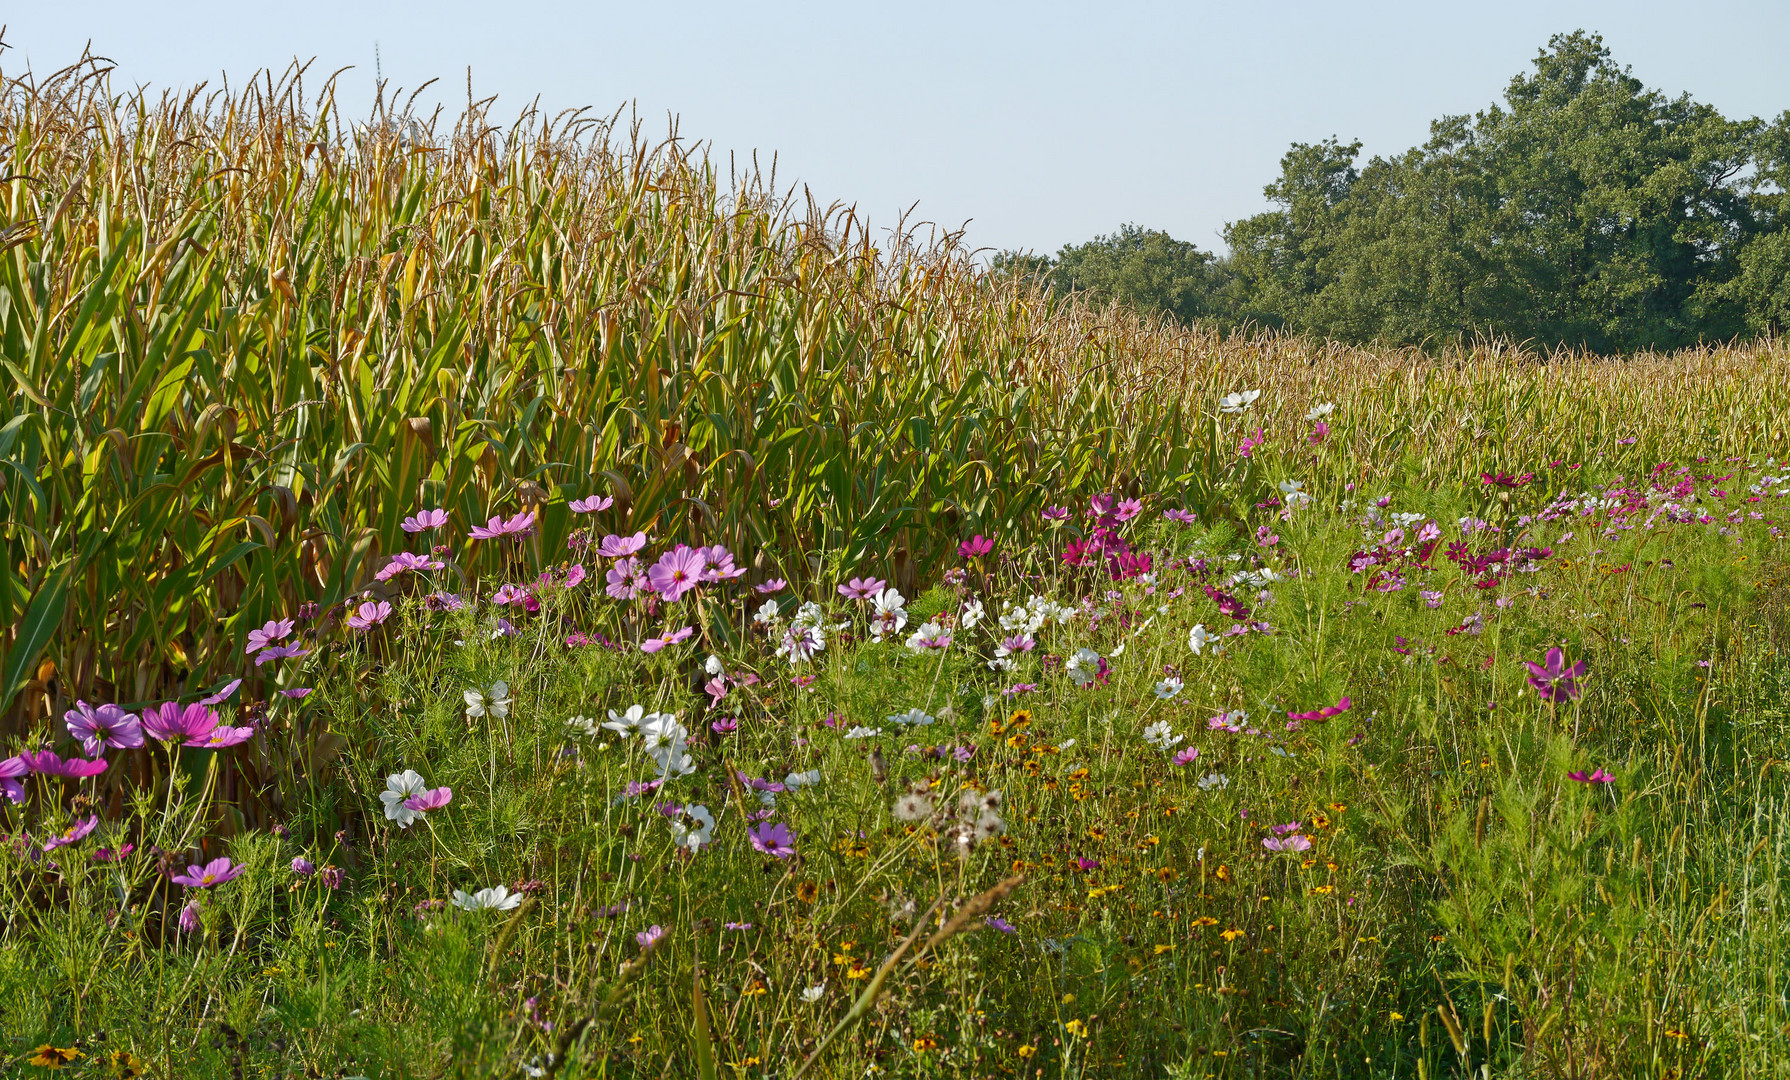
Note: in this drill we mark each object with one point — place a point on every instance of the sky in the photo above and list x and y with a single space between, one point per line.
1028 125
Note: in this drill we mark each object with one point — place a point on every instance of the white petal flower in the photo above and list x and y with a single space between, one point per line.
861 732
1318 412
582 726
813 993
627 723
398 787
1236 403
1197 638
1168 688
913 718
496 898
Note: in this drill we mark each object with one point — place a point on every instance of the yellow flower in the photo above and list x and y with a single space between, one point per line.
925 1042
126 1065
1205 920
1160 949
1027 1051
1077 1029
52 1057
1068 999
1232 934
807 892
1396 1017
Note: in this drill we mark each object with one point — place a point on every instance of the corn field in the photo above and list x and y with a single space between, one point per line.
246 336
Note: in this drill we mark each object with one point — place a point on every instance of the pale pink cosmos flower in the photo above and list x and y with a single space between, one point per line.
424 520
771 586
74 834
717 564
626 579
590 505
1296 842
860 588
620 547
509 594
172 722
575 576
105 727
280 652
405 561
220 737
216 872
654 644
518 527
369 615
275 630
1185 517
1130 508
433 799
222 694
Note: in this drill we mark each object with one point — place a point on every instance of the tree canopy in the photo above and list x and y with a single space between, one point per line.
1584 210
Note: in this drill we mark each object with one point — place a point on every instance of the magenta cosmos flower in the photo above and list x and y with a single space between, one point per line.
975 546
1595 776
1325 713
1056 515
771 586
862 588
74 834
50 765
423 521
12 770
772 839
676 573
1554 681
222 694
220 737
433 799
590 505
170 722
270 633
216 872
105 727
676 637
1130 508
406 561
1184 517
280 652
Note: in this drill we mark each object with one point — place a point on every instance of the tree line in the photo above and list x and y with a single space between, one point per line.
1586 210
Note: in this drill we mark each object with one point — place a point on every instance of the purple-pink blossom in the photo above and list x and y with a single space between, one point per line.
220 737
107 727
74 834
1130 508
49 764
776 584
648 937
676 573
173 722
216 872
772 839
406 561
1325 713
496 528
370 614
862 588
424 520
1595 776
626 579
269 633
1554 680
717 564
590 505
1185 517
433 799
1296 842
975 547
1055 514
221 694
1187 756
303 867
620 547
12 769
654 644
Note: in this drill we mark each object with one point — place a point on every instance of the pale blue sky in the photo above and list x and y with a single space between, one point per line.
1038 123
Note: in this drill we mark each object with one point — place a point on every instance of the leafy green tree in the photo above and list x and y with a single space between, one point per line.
1144 268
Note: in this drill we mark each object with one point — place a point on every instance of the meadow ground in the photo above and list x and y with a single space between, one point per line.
504 603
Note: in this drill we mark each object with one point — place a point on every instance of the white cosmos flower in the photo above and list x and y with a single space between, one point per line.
767 613
802 779
496 898
813 993
1168 688
713 665
693 836
626 723
1318 412
582 725
1214 780
1084 666
1236 403
973 613
494 702
913 717
1161 736
861 732
398 787
1197 638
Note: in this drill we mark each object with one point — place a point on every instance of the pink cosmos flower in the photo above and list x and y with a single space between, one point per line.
1187 756
443 601
424 520
170 722
727 725
1266 537
976 546
1130 508
509 594
369 615
1430 531
654 644
433 799
50 765
1318 431
518 527
11 769
650 936
590 505
1554 681
296 693
74 834
216 872
303 867
862 588
676 573
575 576
273 631
1185 517
716 688
626 579
221 737
772 839
620 547
222 694
189 918
105 727
405 561
1325 713
1056 515
776 584
1296 842
1595 776
1251 443
717 564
